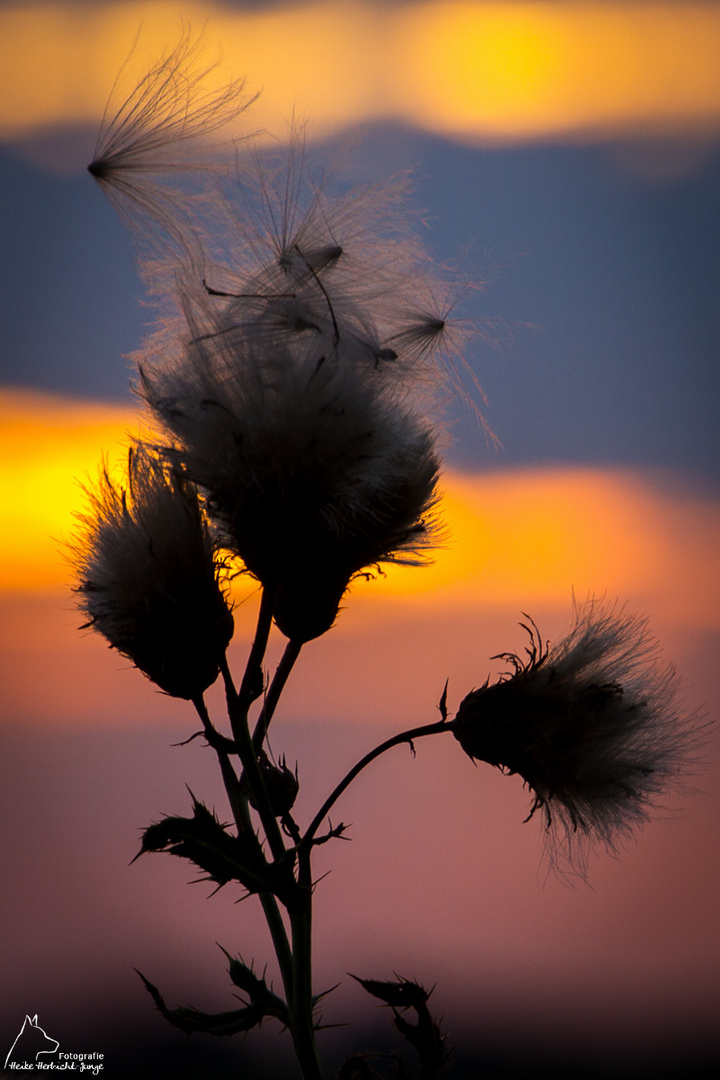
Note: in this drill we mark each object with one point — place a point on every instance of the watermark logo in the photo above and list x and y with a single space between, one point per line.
36 1051
30 1043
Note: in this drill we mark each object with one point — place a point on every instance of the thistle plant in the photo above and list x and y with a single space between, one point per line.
291 435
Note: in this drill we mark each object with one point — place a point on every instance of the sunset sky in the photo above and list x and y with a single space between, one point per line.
567 154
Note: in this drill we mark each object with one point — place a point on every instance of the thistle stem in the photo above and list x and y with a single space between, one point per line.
280 678
230 778
303 1025
239 807
294 956
403 737
252 681
280 941
251 767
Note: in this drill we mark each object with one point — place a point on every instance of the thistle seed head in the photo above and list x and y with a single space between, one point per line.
592 725
311 460
302 344
147 578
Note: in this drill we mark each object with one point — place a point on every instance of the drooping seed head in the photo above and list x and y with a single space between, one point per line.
593 726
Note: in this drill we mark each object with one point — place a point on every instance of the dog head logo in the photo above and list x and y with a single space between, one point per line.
30 1043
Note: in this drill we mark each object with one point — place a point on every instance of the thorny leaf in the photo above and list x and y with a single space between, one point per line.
222 856
403 994
190 1020
425 1036
256 988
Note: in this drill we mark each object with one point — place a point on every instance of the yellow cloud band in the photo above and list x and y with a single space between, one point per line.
477 71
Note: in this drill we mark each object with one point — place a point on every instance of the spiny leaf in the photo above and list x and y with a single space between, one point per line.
402 994
425 1036
190 1020
223 857
256 988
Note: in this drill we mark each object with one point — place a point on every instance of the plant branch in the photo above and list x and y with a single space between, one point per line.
239 807
230 779
294 956
282 673
251 686
303 1024
251 767
403 737
280 941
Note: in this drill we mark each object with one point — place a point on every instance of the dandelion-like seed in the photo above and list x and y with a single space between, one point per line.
592 725
156 130
148 579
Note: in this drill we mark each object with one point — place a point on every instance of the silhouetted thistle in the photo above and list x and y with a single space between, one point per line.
303 345
292 370
311 461
147 577
592 725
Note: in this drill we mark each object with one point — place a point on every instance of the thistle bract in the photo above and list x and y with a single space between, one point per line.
148 580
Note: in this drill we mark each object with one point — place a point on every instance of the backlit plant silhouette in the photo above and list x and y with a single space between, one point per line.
290 392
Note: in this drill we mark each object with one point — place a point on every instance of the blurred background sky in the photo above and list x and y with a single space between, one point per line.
569 153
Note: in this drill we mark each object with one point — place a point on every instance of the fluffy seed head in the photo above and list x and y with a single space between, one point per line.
311 461
147 578
302 342
592 725
268 228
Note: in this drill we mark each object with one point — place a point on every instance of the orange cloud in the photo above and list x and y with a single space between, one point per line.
475 71
514 71
48 447
518 538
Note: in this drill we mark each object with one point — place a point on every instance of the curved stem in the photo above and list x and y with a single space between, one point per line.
282 673
403 737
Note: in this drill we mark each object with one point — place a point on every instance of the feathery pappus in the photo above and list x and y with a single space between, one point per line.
594 725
